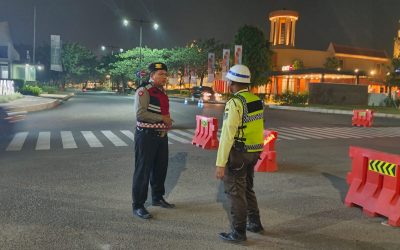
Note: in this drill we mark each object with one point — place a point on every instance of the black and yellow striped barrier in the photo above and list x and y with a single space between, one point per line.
382 167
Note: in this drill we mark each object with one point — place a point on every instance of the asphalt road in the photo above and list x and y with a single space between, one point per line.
65 182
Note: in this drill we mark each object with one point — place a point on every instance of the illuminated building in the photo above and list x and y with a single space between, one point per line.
294 69
396 49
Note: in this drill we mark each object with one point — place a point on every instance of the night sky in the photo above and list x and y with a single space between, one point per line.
361 23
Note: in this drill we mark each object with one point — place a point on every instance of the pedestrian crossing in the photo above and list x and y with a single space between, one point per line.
69 140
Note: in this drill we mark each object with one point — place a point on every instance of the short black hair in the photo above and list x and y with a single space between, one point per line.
241 84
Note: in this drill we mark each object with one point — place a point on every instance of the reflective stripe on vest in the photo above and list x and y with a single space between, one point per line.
252 130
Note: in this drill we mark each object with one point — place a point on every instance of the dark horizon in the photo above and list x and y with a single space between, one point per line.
366 24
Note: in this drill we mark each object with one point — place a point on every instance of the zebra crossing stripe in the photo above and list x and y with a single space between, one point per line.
181 132
114 139
317 132
68 140
177 138
43 142
92 139
288 132
307 133
17 142
128 134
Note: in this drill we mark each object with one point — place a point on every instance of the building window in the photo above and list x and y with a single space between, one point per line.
4 71
3 51
283 33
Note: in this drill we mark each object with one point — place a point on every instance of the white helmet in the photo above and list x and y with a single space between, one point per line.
239 73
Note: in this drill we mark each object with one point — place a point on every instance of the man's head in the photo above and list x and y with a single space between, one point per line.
239 77
158 73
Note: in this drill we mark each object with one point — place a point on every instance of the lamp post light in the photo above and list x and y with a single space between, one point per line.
104 48
126 21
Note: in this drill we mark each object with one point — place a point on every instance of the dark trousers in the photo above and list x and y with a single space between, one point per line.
151 164
238 183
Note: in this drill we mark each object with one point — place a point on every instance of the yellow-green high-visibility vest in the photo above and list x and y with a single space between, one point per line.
251 132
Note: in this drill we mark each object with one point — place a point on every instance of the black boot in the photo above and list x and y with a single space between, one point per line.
254 227
142 212
162 203
233 236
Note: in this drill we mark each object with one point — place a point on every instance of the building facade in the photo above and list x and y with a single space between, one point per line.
294 69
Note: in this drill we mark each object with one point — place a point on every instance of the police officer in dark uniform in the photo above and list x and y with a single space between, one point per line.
151 141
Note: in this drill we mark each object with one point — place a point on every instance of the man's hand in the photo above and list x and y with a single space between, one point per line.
167 120
219 172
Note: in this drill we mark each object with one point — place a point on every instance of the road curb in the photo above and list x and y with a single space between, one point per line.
329 111
42 106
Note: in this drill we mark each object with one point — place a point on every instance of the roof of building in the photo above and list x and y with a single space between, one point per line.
344 49
5 40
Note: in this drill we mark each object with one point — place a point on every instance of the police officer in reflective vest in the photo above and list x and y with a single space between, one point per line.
239 149
151 141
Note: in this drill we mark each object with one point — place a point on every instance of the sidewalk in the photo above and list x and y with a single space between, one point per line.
328 111
37 103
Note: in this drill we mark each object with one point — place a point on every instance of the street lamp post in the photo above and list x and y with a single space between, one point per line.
141 22
104 47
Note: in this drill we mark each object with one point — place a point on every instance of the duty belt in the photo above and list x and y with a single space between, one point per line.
151 125
160 133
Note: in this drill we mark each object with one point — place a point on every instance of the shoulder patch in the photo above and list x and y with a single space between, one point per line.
140 93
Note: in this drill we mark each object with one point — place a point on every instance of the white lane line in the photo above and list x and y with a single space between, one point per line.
17 142
68 140
114 139
128 134
43 142
91 139
177 138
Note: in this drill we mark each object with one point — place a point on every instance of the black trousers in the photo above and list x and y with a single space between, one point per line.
238 184
151 164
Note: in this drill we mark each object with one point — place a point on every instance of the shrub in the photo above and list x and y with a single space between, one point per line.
49 89
292 98
30 90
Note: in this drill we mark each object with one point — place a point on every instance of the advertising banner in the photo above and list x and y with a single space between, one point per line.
55 56
225 62
238 54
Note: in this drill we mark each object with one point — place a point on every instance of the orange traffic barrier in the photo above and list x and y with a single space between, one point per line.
375 183
362 117
206 132
267 161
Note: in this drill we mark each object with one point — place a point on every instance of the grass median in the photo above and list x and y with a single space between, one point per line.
9 98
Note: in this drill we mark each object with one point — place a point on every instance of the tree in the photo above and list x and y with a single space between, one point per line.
198 55
298 64
393 77
79 63
256 54
332 63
